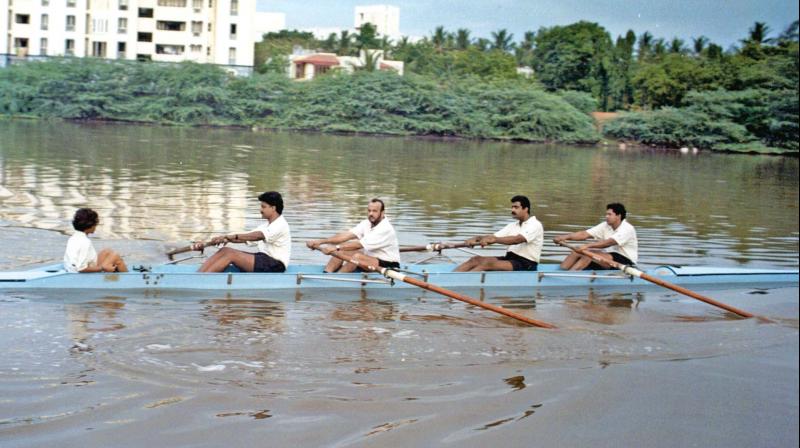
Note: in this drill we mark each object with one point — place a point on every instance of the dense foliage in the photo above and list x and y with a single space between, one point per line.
368 102
673 93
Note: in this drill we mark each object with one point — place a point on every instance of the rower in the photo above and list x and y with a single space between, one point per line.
616 235
80 255
274 242
524 236
372 242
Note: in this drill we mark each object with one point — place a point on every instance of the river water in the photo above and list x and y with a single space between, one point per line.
639 369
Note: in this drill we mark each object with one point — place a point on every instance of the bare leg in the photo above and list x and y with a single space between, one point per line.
334 264
245 261
583 262
571 259
110 261
479 264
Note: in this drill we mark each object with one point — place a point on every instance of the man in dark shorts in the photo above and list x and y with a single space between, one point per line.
616 235
372 242
274 242
524 236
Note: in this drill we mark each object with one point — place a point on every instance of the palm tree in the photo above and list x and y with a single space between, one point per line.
676 46
438 38
659 47
502 40
699 44
645 45
462 39
758 34
524 52
345 41
483 44
790 34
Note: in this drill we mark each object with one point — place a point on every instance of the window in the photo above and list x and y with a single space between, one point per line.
45 2
144 57
144 37
197 28
234 7
146 13
122 25
99 25
21 43
209 27
123 5
71 23
164 25
210 3
69 47
172 3
121 49
45 21
196 48
71 3
22 19
231 56
233 31
43 46
169 49
197 5
99 49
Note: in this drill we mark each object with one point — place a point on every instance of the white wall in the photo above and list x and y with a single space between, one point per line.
386 19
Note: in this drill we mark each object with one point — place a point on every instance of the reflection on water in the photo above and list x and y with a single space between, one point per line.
327 368
175 184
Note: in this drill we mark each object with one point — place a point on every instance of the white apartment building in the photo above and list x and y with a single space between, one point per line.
204 31
386 19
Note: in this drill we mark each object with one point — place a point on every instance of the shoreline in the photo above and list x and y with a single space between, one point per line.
600 118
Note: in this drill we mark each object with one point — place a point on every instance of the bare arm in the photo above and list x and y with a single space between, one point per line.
339 238
485 240
574 236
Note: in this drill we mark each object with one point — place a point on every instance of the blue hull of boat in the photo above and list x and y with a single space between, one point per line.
185 278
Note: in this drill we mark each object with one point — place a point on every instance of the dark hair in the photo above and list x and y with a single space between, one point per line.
274 199
523 201
85 218
383 207
617 208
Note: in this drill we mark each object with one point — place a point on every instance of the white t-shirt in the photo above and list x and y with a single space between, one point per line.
379 241
277 242
533 232
625 236
80 252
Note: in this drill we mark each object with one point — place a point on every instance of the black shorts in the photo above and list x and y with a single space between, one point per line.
265 263
518 262
384 264
619 258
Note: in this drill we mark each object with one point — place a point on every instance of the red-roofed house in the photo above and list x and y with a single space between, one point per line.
305 66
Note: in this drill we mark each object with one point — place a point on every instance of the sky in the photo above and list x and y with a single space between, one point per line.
724 22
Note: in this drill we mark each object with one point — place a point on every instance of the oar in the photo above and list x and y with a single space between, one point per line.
435 247
630 270
388 273
184 249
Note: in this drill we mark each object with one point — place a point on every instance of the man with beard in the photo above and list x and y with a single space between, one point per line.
372 242
274 242
525 237
616 235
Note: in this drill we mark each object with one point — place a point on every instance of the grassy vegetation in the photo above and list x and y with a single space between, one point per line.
366 102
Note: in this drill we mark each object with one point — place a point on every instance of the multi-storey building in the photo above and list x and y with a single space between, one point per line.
205 31
386 19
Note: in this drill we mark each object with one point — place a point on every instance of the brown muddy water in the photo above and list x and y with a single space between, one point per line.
646 368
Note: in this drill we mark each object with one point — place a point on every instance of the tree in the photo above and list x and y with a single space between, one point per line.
645 45
462 39
573 57
677 46
438 38
343 47
699 44
502 40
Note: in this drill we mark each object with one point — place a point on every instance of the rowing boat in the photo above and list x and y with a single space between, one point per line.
166 277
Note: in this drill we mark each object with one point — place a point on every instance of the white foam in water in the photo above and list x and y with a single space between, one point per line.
158 347
209 368
255 364
403 334
378 330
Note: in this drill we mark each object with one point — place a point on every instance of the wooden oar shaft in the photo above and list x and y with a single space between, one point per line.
637 273
184 249
434 247
439 290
